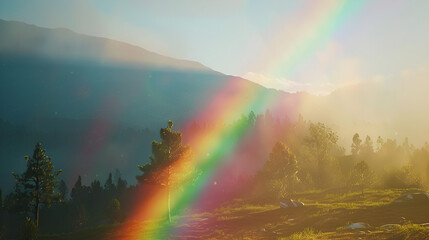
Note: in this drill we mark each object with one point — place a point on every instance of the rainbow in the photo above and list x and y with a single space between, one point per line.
322 19
212 148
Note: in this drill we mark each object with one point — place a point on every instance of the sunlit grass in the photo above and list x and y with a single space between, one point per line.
308 233
324 216
411 231
225 218
244 207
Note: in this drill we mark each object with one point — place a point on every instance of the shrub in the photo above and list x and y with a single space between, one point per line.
308 233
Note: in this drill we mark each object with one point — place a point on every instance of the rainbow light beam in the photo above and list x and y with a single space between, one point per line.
213 148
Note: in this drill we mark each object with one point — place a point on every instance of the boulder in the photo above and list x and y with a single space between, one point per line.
415 197
289 203
390 226
358 225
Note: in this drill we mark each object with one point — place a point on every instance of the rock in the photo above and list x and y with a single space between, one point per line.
416 197
389 226
284 205
289 203
358 225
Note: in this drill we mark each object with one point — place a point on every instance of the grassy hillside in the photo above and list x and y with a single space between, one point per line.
325 216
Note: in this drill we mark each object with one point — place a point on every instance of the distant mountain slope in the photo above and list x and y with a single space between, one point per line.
58 73
28 40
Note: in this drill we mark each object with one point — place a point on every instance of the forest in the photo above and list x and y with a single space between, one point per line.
275 159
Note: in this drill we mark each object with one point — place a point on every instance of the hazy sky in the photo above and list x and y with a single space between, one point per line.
315 46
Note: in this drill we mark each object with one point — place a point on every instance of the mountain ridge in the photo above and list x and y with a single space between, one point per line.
20 38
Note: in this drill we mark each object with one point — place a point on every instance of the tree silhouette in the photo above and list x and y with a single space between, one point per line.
321 143
356 144
79 192
281 169
63 191
362 176
380 143
367 147
113 210
79 197
162 168
121 186
37 183
109 186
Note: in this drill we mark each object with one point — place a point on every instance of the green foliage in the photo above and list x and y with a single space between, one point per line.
160 170
109 186
113 210
411 231
63 191
91 205
80 196
308 234
37 184
96 188
322 143
280 171
121 186
404 177
361 176
12 205
79 192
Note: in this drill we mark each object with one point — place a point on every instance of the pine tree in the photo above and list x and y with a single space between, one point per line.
356 144
37 183
76 193
121 186
63 191
96 190
367 147
80 196
161 169
109 186
80 193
